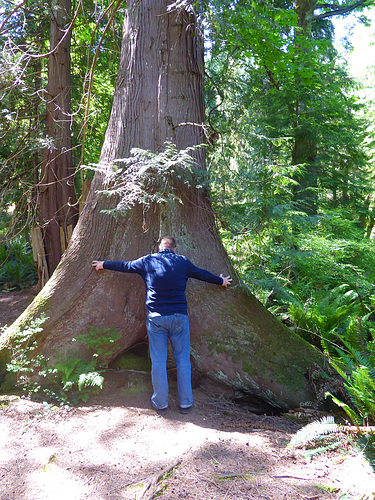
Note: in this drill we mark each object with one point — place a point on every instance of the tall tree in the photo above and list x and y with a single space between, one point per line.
307 105
26 50
57 198
284 49
158 97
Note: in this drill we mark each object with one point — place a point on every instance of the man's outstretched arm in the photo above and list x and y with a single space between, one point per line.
204 275
122 266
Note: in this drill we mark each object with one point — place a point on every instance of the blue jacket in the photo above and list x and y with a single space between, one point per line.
165 275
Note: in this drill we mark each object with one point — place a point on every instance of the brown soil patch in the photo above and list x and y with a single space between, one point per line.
13 303
116 447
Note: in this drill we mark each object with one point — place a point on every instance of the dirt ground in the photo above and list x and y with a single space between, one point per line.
116 447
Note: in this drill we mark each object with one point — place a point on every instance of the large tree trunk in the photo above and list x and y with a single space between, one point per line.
234 339
57 198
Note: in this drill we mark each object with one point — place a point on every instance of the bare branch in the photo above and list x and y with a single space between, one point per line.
11 14
66 33
339 10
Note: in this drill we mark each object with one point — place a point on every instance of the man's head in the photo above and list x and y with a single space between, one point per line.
168 242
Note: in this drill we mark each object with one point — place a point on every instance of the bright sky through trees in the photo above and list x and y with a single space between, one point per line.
362 38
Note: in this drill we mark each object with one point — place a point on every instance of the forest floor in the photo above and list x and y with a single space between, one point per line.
116 447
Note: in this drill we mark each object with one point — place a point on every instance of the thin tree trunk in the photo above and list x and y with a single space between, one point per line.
36 124
304 153
57 197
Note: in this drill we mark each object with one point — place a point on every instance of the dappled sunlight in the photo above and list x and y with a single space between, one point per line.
103 451
51 481
355 476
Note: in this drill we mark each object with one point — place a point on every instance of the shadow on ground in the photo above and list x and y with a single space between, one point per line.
116 447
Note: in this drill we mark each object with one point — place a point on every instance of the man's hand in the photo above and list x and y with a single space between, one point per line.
98 264
226 280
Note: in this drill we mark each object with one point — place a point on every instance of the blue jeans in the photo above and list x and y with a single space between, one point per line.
175 328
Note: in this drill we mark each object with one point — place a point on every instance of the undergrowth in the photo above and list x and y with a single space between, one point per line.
17 268
63 379
316 274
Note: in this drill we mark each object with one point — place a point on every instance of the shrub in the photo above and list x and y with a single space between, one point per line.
69 378
17 268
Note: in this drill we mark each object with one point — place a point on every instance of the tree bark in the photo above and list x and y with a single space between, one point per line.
57 197
234 338
304 153
305 13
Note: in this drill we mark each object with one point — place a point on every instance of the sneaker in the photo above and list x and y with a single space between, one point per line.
160 411
185 410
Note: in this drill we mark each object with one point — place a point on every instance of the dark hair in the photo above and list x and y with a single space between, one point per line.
168 242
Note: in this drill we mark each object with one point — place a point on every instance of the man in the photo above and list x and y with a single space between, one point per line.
165 275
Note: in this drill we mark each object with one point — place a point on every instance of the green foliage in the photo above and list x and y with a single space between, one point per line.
22 107
67 379
352 354
100 342
276 100
321 318
96 45
17 268
67 376
279 95
23 362
23 82
146 177
304 260
356 365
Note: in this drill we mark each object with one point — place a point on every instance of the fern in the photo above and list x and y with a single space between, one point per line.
87 384
354 417
357 368
67 379
322 449
91 379
67 368
314 431
17 268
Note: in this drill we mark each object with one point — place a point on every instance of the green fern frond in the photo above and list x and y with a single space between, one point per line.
67 367
91 379
313 431
145 177
345 363
365 443
354 417
322 449
361 358
357 368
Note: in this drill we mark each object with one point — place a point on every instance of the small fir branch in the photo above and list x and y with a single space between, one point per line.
146 178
